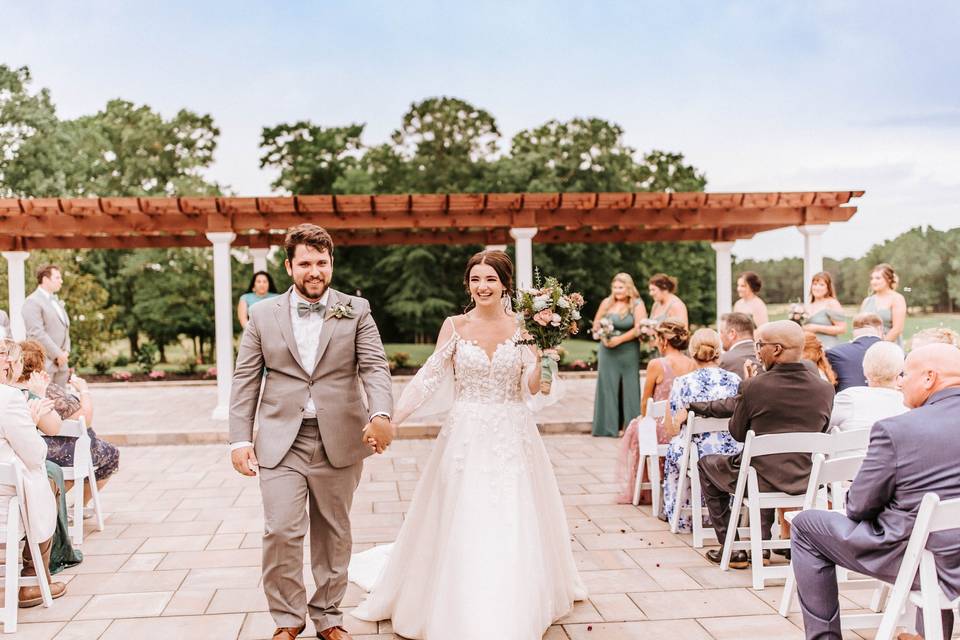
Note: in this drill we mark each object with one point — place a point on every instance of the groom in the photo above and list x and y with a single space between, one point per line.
325 376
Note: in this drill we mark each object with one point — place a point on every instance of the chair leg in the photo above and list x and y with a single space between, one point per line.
656 485
930 595
880 597
639 481
39 565
95 497
11 578
788 589
681 490
696 509
76 533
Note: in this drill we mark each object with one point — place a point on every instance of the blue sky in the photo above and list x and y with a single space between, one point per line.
760 95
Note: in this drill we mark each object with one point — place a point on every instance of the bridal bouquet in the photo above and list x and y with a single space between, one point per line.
798 313
549 316
606 329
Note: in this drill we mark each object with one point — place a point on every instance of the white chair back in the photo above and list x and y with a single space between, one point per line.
755 446
650 452
657 409
831 473
695 425
850 441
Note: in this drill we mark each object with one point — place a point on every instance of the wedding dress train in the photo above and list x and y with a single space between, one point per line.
484 550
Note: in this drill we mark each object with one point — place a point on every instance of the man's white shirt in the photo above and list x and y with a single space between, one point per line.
61 312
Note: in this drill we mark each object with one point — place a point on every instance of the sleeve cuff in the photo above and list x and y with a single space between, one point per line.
380 413
240 445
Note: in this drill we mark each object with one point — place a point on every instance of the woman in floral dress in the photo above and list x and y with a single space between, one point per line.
707 382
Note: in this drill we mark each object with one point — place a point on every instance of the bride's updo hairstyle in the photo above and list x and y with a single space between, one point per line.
501 264
705 345
674 333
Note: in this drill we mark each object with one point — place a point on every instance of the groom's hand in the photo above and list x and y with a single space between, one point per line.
380 431
244 461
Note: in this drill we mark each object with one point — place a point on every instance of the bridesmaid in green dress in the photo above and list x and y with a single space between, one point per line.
886 302
261 288
826 321
618 359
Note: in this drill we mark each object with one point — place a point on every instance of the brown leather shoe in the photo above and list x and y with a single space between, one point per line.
31 596
334 633
288 633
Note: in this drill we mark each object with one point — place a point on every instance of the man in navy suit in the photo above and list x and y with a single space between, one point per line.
847 359
909 456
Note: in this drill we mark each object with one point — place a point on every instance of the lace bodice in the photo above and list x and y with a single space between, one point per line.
490 380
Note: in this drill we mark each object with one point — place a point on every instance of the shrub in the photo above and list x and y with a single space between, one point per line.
210 373
147 357
399 360
122 376
157 375
101 367
121 360
188 368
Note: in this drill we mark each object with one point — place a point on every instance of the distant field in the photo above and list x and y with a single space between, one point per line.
914 323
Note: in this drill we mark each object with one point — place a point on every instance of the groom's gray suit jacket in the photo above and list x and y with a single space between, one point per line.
350 364
43 323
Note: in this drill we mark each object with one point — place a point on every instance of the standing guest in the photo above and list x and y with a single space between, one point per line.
934 335
707 382
672 339
21 445
46 321
886 302
666 304
736 333
861 407
826 320
4 325
909 455
748 286
618 360
261 288
813 351
68 406
787 397
847 359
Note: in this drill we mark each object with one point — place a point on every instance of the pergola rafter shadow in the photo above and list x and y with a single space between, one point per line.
28 224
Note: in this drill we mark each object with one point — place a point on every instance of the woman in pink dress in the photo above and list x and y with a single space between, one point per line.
672 339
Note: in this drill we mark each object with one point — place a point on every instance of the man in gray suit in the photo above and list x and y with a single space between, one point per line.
736 335
46 321
909 456
326 377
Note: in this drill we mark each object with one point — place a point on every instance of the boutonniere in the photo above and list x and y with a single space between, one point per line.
341 310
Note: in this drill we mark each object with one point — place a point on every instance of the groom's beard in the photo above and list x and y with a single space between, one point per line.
319 284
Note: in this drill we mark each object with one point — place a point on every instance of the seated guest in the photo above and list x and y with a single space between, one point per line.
21 446
861 407
736 333
813 351
847 359
787 397
909 456
106 457
672 338
934 335
707 382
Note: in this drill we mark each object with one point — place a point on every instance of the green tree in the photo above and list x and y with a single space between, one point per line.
310 158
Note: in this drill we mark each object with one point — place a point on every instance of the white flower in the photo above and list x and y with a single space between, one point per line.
575 314
81 317
556 320
563 303
540 303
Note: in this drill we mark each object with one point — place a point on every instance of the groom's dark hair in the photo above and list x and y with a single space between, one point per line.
310 235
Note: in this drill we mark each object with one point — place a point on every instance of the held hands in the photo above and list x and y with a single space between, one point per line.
244 461
379 433
39 407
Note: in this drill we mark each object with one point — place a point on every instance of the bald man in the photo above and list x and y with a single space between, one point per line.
909 455
788 397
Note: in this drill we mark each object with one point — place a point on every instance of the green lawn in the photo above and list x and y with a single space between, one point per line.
914 323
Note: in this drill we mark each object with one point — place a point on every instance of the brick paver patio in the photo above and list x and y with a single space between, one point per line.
180 556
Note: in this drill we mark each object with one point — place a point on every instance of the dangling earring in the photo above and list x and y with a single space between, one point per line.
507 302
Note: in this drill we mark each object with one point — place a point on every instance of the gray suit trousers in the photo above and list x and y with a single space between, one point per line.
305 488
818 543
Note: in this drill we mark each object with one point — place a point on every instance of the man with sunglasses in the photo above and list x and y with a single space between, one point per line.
787 397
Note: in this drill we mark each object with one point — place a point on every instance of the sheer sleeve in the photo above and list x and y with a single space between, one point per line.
431 391
537 401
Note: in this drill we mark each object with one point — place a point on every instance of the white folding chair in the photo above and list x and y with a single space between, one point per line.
82 471
689 460
850 441
748 495
650 454
11 532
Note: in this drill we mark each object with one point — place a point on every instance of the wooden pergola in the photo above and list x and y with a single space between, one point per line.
458 218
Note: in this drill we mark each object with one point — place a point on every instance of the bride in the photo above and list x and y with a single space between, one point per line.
485 541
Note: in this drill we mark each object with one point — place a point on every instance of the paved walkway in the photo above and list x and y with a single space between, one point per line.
152 414
180 556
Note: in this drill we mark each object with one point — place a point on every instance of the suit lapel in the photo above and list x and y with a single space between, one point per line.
282 313
329 324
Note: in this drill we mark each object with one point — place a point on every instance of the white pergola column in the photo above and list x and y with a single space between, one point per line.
223 308
523 243
260 259
812 252
724 252
17 291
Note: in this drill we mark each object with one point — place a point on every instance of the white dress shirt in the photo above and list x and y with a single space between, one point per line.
61 312
861 407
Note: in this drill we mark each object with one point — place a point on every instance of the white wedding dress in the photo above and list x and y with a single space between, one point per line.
484 550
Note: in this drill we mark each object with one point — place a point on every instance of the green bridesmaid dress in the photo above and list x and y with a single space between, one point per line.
618 381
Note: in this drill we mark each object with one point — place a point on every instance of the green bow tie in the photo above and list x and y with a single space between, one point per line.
304 309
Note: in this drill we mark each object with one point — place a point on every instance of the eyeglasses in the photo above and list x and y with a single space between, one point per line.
760 345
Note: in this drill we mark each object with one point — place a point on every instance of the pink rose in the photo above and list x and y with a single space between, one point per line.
543 318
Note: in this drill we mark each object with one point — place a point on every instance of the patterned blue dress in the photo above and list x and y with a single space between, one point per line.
711 383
